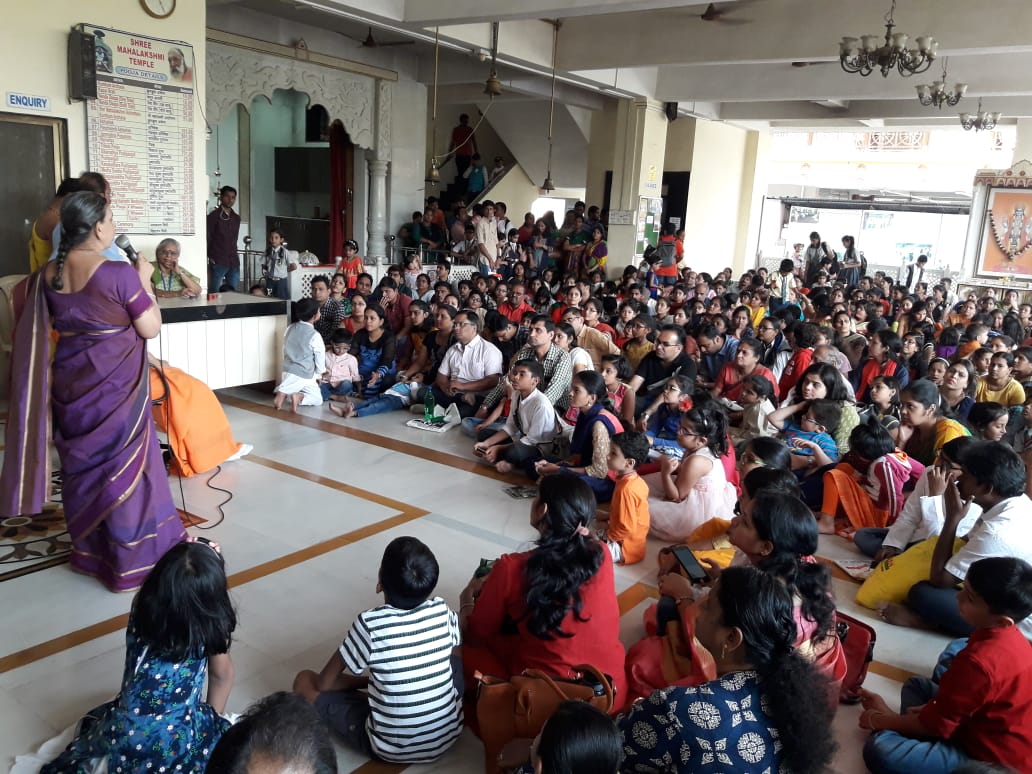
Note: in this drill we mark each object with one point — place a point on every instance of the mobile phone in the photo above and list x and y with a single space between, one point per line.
694 571
484 568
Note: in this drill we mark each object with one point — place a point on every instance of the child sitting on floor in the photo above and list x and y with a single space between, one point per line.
408 709
811 439
628 525
756 399
867 487
980 708
304 359
341 367
531 423
180 628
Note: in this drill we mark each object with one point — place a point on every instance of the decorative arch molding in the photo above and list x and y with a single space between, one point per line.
236 76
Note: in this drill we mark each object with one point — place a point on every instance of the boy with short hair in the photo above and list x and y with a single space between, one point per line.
412 711
813 433
304 359
341 367
980 709
532 421
628 525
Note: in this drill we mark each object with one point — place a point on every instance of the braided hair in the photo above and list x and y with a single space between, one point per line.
80 213
566 556
795 698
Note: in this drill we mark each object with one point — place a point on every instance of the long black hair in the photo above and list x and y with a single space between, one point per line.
80 213
708 418
790 527
183 608
577 738
795 695
564 559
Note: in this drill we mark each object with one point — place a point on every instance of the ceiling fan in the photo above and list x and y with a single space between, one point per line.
715 14
371 42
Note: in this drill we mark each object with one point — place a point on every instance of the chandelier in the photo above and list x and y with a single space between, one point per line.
868 56
937 95
980 120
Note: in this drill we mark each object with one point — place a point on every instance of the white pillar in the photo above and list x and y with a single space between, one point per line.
377 222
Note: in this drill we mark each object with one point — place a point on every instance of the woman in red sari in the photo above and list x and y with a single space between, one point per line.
553 607
117 502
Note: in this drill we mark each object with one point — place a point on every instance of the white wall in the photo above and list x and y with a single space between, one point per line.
714 196
34 59
408 109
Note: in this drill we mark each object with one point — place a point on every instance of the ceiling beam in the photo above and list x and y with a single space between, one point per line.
780 30
444 12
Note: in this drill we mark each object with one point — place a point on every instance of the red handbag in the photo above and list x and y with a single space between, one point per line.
858 640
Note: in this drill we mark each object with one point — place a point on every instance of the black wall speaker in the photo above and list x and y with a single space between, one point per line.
82 65
670 108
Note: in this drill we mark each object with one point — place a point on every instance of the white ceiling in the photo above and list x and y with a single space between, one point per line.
737 69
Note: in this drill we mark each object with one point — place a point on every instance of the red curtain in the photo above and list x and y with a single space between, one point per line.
338 200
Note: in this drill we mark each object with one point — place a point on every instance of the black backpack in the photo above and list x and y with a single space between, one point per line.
667 251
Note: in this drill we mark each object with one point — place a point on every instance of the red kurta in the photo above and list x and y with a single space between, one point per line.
497 641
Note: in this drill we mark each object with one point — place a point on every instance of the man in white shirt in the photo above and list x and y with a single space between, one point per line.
487 239
471 367
992 476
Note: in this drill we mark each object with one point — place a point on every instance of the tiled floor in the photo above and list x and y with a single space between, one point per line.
312 509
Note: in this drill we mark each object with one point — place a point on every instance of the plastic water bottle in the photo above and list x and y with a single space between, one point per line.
429 405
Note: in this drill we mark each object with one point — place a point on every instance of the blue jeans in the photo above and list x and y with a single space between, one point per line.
888 752
223 275
938 607
344 388
868 540
381 404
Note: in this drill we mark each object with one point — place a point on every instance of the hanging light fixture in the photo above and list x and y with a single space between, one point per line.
937 95
548 185
981 120
433 177
493 86
868 56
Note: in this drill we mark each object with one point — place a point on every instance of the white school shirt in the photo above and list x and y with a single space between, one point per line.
532 420
1003 530
922 517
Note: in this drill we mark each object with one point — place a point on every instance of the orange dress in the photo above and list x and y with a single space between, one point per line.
198 432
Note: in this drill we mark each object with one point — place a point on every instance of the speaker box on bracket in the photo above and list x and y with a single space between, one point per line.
82 65
670 108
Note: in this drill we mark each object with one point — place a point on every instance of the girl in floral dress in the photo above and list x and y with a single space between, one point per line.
180 628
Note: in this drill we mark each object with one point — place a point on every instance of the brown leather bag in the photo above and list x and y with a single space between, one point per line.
518 707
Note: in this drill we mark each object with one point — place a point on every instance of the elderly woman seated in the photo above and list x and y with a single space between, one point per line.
170 280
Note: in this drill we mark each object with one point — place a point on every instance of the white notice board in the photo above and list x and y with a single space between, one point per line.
140 130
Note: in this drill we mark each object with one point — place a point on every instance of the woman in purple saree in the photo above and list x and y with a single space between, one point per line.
117 502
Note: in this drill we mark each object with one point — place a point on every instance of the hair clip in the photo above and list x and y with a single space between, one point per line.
686 404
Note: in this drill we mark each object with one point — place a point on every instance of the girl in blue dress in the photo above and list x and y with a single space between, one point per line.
180 628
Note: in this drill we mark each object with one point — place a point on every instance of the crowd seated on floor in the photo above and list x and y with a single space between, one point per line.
734 420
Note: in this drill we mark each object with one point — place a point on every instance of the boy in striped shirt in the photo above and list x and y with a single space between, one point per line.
390 690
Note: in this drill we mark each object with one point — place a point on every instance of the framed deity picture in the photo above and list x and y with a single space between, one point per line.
1006 247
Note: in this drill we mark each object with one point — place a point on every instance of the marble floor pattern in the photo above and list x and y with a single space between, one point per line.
312 508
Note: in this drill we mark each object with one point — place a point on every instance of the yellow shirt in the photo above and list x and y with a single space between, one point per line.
1012 394
39 250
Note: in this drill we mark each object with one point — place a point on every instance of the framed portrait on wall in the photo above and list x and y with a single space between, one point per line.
1006 245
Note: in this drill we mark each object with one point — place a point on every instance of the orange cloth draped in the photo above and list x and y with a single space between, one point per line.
844 495
198 432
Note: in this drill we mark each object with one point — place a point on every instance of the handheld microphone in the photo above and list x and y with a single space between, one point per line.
123 242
